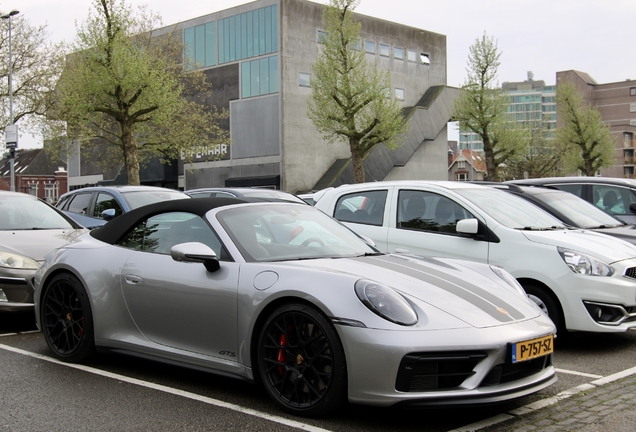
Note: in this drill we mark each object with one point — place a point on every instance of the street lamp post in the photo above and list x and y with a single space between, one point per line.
11 130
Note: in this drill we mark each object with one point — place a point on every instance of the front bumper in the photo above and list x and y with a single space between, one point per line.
600 304
376 368
16 290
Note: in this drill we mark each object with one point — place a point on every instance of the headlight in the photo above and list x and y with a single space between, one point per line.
509 279
584 264
385 302
15 261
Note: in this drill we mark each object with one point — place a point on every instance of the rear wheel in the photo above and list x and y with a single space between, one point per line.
67 320
301 361
548 304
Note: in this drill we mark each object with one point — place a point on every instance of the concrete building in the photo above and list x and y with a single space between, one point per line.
532 103
617 104
259 56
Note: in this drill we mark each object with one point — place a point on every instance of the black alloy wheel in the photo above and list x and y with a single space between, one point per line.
67 320
301 361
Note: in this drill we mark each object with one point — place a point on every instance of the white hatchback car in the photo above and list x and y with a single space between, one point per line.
583 280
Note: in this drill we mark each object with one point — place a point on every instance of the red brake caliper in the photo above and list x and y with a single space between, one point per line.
281 357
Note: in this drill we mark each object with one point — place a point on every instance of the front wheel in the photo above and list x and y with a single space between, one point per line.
67 320
301 361
548 305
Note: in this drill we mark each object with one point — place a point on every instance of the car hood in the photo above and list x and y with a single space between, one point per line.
478 298
36 243
607 248
627 233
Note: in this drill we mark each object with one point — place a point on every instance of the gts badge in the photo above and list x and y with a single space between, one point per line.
227 353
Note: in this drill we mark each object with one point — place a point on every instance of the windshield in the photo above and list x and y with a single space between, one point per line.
138 199
509 210
580 212
270 193
285 232
24 212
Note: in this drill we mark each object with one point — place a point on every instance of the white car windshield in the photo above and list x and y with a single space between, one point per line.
509 210
22 212
270 232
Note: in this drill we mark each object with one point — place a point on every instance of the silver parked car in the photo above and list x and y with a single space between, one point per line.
282 294
29 229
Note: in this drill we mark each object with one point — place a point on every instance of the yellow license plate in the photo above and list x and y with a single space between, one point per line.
531 349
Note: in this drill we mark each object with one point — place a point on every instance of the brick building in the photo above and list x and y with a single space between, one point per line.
35 173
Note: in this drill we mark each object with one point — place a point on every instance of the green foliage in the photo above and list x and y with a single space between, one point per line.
541 158
36 66
581 131
125 88
481 108
351 100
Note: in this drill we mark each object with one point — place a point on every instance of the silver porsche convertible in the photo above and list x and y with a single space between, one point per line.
282 294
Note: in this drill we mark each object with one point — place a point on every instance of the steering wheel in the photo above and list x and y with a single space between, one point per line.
311 240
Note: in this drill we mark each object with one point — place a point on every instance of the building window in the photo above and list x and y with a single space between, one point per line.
356 45
322 37
461 164
424 59
411 56
632 107
51 192
303 79
33 189
369 47
398 53
237 37
632 91
200 44
385 50
399 94
461 177
259 77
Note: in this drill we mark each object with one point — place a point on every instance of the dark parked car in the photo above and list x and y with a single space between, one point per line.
244 193
29 229
94 206
573 211
612 195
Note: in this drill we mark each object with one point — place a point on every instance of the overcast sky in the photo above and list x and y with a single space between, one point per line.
542 36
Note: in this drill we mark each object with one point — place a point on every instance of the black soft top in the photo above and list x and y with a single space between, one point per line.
114 230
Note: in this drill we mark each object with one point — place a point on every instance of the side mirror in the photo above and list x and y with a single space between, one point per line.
108 214
467 226
195 252
632 207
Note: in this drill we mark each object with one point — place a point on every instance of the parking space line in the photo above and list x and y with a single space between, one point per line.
583 374
547 401
170 390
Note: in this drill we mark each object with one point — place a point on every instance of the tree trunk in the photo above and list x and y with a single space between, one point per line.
357 161
130 155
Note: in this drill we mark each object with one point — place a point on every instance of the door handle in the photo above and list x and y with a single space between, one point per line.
134 279
401 251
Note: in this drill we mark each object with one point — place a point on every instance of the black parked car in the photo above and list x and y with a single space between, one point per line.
615 196
573 211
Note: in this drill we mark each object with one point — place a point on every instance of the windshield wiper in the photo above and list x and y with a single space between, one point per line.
367 254
531 228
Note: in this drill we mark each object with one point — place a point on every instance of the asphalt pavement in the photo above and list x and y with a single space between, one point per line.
606 404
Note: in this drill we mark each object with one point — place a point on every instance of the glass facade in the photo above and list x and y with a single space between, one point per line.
239 37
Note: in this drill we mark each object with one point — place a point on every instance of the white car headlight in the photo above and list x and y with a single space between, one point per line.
15 261
385 302
584 264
